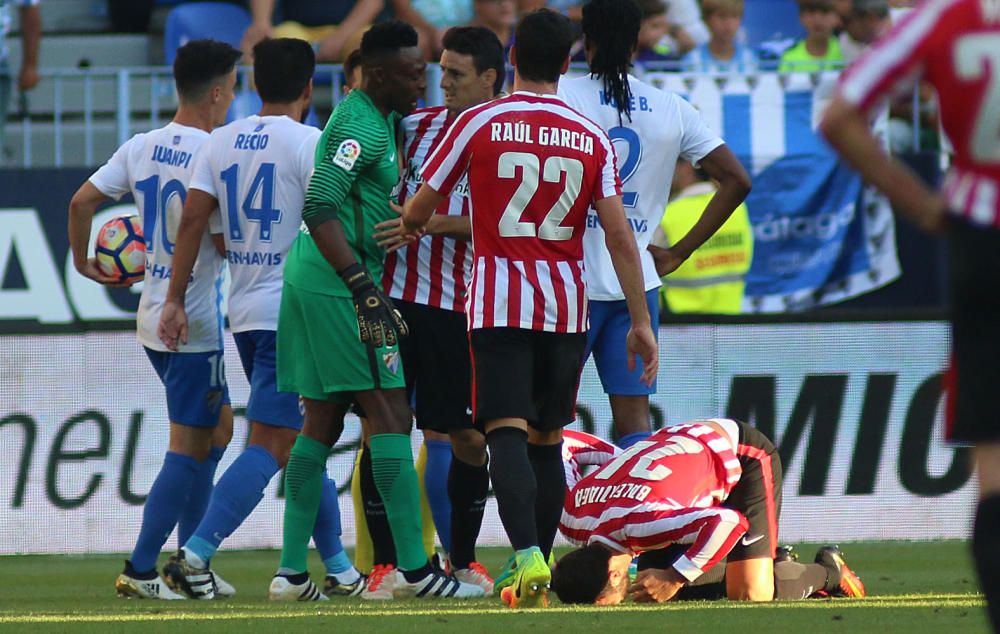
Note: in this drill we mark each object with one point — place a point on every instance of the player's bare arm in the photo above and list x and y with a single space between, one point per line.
846 128
391 237
418 210
173 327
625 257
81 213
734 185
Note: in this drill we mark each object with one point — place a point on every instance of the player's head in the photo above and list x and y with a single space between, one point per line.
611 34
588 575
205 76
283 70
352 71
394 73
541 46
472 67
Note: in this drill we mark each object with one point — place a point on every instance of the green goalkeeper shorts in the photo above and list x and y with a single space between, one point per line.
320 354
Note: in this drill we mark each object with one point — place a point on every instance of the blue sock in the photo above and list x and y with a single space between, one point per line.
197 501
436 488
628 440
236 495
327 530
163 507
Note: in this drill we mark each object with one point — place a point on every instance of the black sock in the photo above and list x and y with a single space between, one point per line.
468 488
383 548
413 576
793 580
550 476
514 485
986 550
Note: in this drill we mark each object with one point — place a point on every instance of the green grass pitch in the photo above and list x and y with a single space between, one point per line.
914 588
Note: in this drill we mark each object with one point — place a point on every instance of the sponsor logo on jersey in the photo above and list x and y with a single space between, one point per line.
177 139
347 154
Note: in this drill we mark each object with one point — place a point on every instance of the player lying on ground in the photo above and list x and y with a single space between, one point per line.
713 486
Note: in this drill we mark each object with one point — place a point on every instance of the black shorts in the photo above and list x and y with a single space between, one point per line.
757 495
436 365
974 373
526 374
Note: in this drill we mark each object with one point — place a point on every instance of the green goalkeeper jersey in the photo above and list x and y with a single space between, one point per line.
356 172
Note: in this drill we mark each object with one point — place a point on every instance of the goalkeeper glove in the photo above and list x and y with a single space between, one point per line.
379 323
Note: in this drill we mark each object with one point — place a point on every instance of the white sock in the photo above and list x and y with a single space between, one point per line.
194 559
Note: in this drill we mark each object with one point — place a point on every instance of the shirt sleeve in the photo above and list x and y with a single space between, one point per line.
201 177
697 140
350 148
610 184
306 159
894 62
449 161
112 178
215 222
711 533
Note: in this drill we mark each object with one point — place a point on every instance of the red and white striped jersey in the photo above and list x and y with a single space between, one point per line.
663 490
534 167
433 270
955 45
580 449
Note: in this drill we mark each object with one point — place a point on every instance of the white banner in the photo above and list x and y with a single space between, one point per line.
855 408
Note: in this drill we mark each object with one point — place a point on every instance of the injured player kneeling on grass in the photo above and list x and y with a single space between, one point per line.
684 500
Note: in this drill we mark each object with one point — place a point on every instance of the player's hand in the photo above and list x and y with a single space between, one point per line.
642 343
173 327
656 585
91 270
390 235
665 260
379 323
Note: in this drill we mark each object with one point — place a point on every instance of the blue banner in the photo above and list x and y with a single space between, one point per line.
820 236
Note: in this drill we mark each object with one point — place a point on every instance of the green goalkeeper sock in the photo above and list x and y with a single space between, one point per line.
303 491
396 479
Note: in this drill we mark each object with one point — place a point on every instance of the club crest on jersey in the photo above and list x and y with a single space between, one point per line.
347 154
177 139
391 360
260 126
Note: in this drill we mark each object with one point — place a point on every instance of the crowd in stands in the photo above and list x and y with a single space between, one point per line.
689 35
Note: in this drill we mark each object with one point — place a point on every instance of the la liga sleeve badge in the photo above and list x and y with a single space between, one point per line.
347 154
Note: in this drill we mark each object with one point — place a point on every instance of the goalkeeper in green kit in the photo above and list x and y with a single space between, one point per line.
337 332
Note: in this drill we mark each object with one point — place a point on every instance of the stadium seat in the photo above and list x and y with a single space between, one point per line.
216 20
771 20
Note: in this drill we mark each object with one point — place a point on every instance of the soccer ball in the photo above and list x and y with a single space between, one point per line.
121 248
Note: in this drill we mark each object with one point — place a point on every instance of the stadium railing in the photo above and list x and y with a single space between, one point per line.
78 117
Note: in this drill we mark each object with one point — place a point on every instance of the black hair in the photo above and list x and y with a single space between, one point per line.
611 27
386 38
484 47
542 41
581 576
351 62
199 64
282 69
